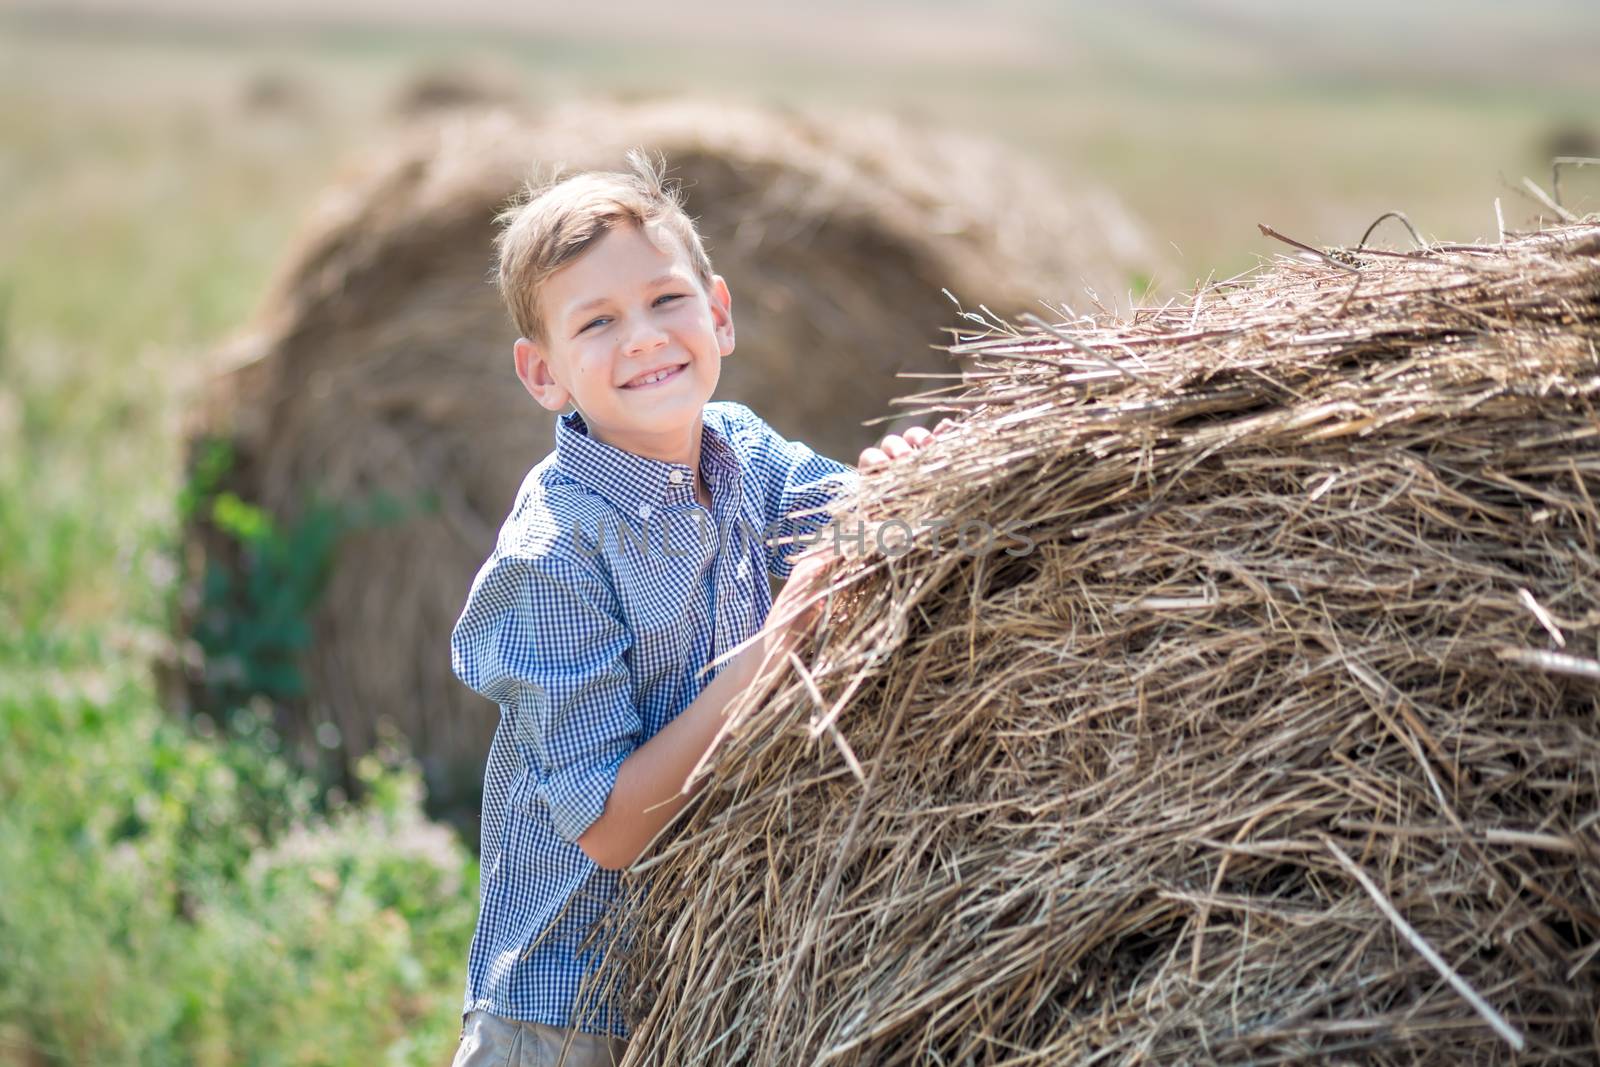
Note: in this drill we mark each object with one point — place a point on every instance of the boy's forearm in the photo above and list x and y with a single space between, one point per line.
648 790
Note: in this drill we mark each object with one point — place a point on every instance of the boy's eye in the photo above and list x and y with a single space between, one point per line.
601 321
662 299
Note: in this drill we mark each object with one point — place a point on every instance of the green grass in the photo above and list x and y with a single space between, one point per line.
168 898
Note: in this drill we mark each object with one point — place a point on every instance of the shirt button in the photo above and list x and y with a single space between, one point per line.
676 477
644 511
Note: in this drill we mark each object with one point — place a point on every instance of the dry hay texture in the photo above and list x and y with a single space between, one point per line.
380 361
1314 598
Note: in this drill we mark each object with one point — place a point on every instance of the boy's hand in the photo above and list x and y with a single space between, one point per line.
799 605
794 614
898 446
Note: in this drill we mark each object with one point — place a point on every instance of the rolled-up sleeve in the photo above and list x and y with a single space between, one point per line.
799 482
543 637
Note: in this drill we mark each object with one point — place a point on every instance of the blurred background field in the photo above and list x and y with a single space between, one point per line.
175 892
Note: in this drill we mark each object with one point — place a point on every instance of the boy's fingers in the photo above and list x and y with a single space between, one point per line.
895 446
944 426
872 459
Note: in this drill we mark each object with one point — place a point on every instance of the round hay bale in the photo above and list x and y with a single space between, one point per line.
444 89
380 362
276 92
1570 139
1272 736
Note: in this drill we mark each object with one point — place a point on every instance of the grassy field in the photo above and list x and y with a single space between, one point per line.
173 896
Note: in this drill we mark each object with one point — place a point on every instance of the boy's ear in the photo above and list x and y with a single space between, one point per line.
533 370
722 314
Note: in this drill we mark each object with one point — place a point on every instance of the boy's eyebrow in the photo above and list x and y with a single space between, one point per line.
663 279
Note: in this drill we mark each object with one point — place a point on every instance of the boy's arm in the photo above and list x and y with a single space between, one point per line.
543 636
649 787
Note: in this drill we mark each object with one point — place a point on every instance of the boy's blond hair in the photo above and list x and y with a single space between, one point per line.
550 225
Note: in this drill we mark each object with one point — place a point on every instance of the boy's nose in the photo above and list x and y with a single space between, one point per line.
645 338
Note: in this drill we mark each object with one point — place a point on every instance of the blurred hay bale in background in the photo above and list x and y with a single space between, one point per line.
380 361
1570 139
276 92
1313 597
430 92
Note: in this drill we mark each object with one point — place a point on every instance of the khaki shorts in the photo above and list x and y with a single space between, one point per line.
490 1041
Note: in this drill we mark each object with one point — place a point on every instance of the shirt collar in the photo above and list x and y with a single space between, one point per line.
633 483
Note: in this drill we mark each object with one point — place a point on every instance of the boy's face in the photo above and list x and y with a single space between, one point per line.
633 340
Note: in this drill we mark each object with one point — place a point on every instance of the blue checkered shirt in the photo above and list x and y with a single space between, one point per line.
608 591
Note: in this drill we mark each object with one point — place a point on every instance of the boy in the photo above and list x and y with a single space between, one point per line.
591 622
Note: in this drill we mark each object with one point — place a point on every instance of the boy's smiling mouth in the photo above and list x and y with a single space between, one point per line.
655 377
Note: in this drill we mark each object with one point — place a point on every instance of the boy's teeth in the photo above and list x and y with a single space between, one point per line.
651 379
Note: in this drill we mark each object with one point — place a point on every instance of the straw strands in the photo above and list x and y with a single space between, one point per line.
380 363
1282 742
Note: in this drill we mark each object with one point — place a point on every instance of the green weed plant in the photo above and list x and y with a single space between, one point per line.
258 594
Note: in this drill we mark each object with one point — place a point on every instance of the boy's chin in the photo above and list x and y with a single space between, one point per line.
661 420
666 409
